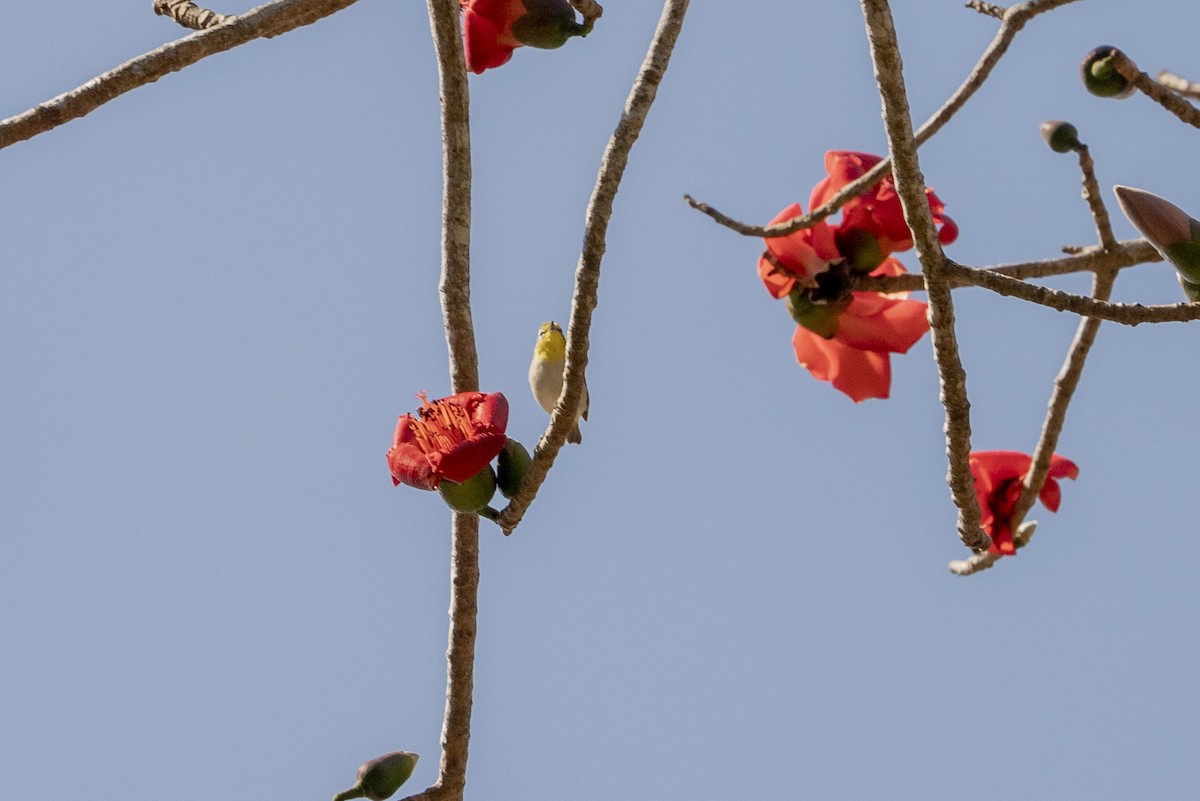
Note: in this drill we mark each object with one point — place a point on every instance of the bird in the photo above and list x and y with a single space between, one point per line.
546 374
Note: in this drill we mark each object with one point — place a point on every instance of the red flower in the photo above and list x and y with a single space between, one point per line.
856 359
999 481
877 210
492 29
451 438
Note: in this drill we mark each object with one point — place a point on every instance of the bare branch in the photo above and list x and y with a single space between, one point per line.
1014 20
190 15
587 272
910 186
1178 84
1094 259
1166 98
267 20
1123 313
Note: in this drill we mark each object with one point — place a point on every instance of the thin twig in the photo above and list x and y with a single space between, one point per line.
1014 20
590 10
1124 313
1092 259
1166 98
190 15
1178 84
1065 383
267 20
988 9
587 272
1091 194
910 186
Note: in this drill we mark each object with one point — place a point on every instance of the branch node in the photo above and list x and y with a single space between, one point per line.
190 15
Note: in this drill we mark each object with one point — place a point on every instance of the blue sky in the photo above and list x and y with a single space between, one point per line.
220 290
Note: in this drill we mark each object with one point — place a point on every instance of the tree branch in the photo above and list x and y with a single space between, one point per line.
267 20
587 272
910 186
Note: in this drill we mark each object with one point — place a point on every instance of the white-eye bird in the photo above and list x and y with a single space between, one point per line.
546 374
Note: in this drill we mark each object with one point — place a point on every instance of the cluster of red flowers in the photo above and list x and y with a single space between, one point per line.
999 481
846 337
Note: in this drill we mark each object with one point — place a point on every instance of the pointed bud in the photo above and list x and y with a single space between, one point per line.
1100 74
1166 226
860 248
512 467
380 778
819 317
548 24
472 494
1063 137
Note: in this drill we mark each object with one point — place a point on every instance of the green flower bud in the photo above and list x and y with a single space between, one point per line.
512 467
472 494
380 778
1100 74
860 249
548 24
819 317
1063 137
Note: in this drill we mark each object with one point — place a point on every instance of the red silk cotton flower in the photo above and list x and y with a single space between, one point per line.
450 438
850 342
999 480
878 210
492 29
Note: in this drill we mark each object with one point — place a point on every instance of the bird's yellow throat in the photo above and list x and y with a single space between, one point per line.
551 347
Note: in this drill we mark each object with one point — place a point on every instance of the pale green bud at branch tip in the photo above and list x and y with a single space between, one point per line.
381 777
1063 137
1174 233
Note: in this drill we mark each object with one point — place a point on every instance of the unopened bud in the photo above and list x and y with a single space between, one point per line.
1063 137
511 469
1169 228
1100 74
380 778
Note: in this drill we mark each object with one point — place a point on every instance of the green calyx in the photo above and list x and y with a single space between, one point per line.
820 317
471 495
1186 255
1100 74
380 778
512 466
1063 137
548 24
860 249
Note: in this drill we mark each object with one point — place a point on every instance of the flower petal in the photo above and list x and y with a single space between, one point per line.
858 373
888 326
